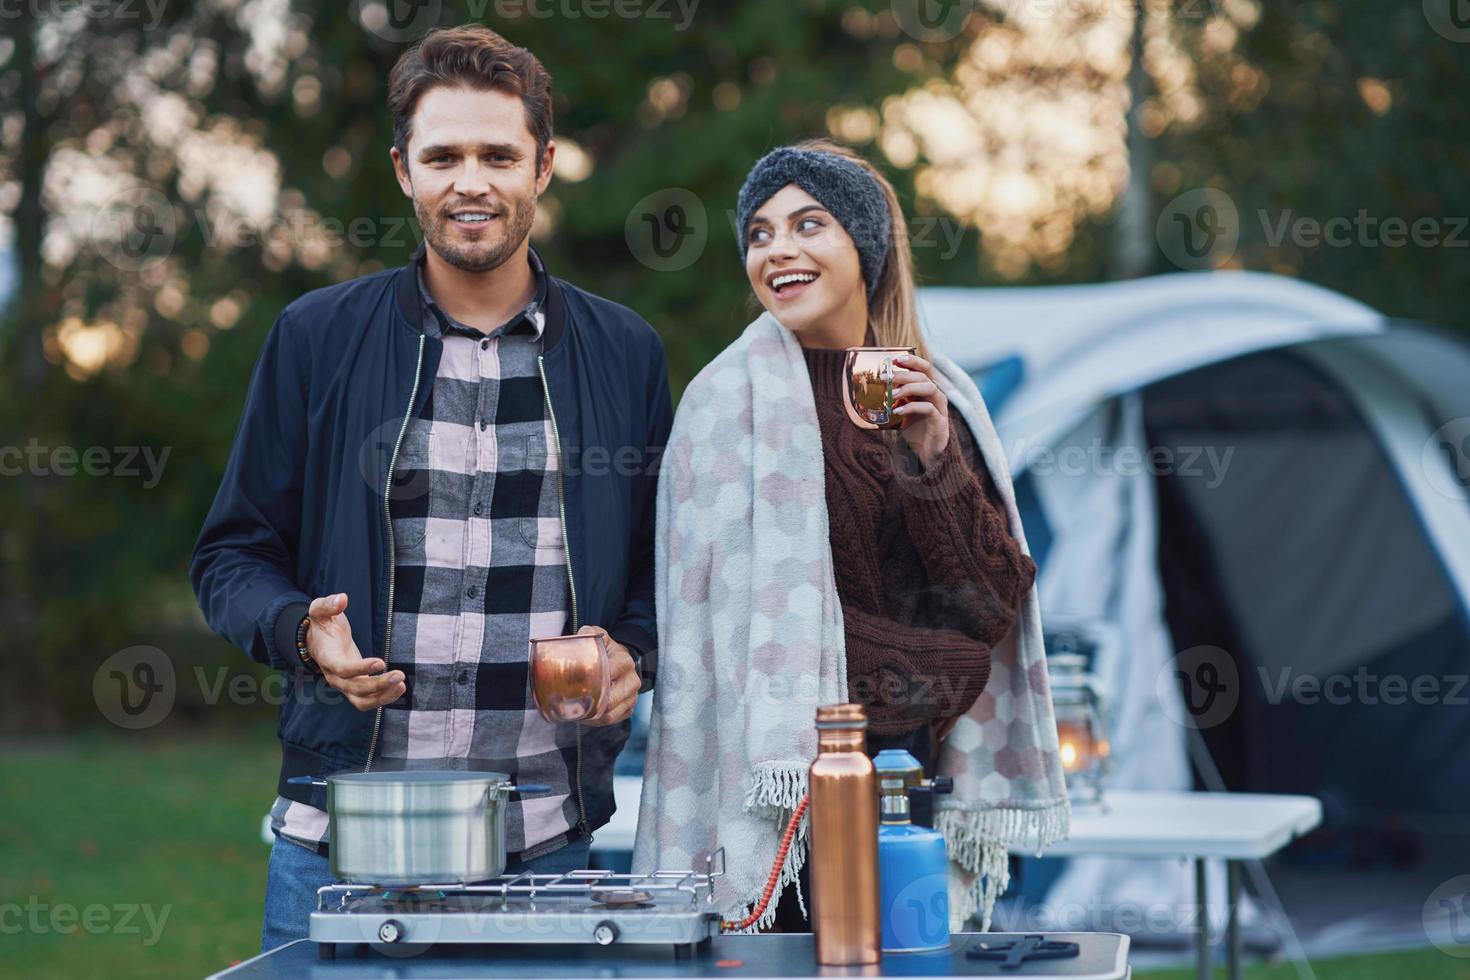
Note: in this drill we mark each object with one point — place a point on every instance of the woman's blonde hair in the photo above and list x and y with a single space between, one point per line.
892 313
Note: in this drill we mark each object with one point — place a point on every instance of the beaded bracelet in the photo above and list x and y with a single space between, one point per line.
301 651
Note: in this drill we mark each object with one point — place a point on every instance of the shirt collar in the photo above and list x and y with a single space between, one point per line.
531 320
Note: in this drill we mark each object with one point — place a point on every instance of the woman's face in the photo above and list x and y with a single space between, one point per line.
805 270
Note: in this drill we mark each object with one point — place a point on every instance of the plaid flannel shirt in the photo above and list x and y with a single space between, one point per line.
481 569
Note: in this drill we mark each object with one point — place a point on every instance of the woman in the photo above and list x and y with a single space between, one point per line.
804 561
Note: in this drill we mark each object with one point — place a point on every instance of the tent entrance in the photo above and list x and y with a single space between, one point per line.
1287 541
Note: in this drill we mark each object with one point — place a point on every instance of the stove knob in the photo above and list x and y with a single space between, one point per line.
391 931
606 933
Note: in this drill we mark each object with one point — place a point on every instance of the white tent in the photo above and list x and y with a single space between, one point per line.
1253 470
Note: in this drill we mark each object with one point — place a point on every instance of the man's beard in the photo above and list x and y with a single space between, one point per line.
487 253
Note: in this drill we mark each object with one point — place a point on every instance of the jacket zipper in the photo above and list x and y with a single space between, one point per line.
392 551
566 546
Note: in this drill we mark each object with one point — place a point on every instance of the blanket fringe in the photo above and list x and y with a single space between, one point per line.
978 842
774 787
776 790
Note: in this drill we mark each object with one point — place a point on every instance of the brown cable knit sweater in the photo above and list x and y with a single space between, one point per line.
929 576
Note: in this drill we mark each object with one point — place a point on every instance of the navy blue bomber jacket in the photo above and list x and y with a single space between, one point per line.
301 510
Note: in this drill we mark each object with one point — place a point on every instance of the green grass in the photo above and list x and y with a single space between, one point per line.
115 820
172 823
1419 964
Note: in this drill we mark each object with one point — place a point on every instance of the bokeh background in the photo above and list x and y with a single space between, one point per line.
172 174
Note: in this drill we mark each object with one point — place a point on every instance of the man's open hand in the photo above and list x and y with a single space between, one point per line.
625 681
329 641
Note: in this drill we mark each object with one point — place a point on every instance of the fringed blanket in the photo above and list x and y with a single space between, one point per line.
751 643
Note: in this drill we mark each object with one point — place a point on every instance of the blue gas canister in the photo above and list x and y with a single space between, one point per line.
913 866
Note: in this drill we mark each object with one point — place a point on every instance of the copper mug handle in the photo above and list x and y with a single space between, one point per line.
868 375
571 678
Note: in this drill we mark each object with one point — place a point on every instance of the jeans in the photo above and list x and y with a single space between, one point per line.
297 872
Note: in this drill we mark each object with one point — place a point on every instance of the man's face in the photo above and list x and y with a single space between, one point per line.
471 173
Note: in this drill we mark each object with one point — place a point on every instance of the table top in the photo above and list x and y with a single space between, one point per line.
1103 956
1232 826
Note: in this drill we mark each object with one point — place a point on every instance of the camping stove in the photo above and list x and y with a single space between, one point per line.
663 907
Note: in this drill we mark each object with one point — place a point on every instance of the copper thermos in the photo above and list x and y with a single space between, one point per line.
843 784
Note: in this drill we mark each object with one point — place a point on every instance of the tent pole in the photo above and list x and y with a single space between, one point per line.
1202 932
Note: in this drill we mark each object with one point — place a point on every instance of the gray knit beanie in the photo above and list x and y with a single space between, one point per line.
841 186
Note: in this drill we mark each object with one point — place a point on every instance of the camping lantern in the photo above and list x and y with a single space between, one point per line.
1081 730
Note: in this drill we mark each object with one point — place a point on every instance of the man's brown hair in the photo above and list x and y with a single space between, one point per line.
476 57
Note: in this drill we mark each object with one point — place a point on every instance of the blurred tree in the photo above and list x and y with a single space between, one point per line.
1065 130
181 180
1348 111
173 183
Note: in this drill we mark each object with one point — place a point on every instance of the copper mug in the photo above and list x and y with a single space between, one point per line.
869 372
571 679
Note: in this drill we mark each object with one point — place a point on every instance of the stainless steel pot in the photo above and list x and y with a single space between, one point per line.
418 827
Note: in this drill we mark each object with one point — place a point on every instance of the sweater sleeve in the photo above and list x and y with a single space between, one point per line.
977 574
907 676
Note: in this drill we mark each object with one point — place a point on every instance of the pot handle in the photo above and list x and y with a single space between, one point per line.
512 787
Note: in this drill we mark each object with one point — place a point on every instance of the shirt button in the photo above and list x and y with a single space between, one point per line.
478 508
463 678
484 424
471 591
484 345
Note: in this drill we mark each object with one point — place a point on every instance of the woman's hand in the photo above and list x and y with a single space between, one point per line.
923 408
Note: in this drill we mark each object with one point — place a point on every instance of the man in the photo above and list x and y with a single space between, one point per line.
434 465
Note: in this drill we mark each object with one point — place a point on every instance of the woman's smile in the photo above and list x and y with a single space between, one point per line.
787 284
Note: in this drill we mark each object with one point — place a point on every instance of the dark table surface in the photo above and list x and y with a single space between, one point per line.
1103 956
